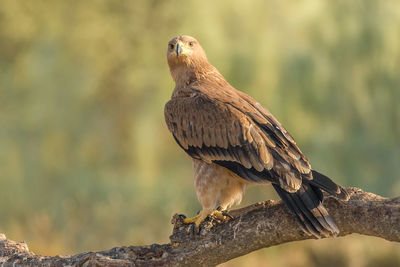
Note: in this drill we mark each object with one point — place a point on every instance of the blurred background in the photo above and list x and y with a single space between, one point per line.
87 162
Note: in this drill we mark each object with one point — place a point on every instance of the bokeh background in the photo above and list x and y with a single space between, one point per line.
87 162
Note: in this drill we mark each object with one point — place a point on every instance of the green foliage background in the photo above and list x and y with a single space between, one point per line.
86 161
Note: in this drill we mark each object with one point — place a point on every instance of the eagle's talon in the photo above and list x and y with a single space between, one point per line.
225 213
220 216
198 230
198 219
195 222
182 216
192 229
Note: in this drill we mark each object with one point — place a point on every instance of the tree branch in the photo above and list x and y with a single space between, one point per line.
254 227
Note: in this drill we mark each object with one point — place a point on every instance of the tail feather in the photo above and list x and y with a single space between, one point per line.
306 204
323 182
314 215
305 223
313 198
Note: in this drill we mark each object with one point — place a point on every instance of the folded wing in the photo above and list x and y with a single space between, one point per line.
239 134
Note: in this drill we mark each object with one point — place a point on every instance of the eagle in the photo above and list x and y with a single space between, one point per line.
234 141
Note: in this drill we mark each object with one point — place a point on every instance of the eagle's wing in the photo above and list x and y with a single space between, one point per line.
239 134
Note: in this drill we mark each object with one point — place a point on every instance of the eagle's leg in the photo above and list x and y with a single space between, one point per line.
217 188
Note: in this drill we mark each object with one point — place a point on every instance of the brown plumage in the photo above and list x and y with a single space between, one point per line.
234 141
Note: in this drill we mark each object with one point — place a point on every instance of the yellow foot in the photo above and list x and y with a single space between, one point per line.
199 218
220 215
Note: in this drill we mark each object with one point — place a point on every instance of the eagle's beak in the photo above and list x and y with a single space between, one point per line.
179 48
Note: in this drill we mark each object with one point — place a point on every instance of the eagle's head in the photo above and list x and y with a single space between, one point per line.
185 51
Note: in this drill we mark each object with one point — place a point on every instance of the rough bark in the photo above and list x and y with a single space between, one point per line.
257 226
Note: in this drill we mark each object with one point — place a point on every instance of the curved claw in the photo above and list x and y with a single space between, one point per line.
225 213
193 230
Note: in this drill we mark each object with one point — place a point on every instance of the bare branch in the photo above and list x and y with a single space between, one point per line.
254 227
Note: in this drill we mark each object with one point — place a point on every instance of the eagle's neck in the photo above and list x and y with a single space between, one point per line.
186 75
183 76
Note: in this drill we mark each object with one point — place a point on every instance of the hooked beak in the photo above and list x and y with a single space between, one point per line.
179 49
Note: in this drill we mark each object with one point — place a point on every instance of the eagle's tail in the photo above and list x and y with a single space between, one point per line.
321 181
306 204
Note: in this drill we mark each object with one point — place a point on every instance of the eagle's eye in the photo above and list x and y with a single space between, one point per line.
191 43
171 46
